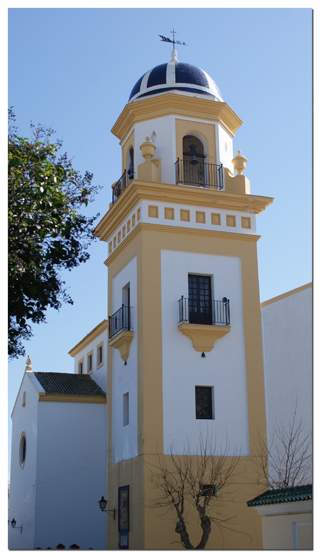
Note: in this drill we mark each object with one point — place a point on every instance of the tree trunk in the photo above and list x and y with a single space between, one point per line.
206 531
182 531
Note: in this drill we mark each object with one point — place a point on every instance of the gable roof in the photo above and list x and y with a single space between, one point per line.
68 384
284 495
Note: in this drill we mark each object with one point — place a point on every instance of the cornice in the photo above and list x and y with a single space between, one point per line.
181 105
59 397
171 193
102 326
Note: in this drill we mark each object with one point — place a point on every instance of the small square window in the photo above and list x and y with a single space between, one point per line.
215 218
125 409
204 403
231 220
100 355
89 362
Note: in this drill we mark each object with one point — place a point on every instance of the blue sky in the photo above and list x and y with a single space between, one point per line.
73 70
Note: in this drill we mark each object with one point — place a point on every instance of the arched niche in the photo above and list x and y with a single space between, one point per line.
194 160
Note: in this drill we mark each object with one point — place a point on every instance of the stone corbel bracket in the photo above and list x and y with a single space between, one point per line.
203 337
122 342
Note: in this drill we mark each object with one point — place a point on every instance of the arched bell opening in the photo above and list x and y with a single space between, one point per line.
130 164
194 159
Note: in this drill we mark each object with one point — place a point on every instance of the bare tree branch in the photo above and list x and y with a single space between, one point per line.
193 481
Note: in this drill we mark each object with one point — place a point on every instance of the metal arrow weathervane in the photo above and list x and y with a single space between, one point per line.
173 41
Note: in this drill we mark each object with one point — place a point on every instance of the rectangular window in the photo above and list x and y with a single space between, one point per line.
125 409
80 367
123 516
200 299
100 355
89 362
204 403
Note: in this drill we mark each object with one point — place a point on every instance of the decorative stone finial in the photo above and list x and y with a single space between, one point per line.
147 149
239 163
28 364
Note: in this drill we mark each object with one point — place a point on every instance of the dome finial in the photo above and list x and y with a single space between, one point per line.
28 364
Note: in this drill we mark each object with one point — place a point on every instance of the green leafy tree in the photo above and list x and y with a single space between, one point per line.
47 230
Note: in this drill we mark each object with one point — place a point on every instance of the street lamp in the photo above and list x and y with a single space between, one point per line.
13 524
103 507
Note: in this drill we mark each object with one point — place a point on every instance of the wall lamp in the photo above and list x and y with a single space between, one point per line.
13 524
103 507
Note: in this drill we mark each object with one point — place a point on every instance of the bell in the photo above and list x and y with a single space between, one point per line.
194 160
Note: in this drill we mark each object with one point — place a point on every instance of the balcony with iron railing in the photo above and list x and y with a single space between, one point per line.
192 171
216 313
120 185
204 323
195 171
120 331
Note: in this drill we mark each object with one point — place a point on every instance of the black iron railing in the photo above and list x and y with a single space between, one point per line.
120 321
217 313
194 171
119 186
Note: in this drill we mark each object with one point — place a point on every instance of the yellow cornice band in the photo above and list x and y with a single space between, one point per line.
102 326
180 105
59 397
171 193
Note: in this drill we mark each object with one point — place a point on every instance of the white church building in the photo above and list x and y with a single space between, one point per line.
187 350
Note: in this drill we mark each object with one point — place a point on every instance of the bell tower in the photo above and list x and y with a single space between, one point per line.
185 352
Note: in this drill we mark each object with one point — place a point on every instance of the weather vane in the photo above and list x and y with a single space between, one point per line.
173 41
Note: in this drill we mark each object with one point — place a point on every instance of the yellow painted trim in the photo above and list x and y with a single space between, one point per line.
171 193
200 217
215 218
231 220
98 329
180 230
185 215
59 397
203 337
151 528
122 342
246 222
203 131
153 211
287 294
169 213
180 105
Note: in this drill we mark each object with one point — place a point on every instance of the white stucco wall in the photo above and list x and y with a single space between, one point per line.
223 367
162 132
71 475
124 377
287 525
99 373
23 478
225 147
287 345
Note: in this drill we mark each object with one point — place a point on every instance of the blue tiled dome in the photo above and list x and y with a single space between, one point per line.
175 76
